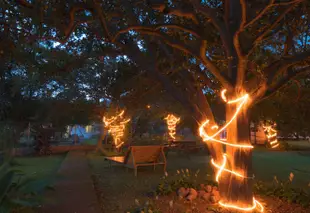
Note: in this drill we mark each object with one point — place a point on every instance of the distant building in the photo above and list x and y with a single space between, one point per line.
84 131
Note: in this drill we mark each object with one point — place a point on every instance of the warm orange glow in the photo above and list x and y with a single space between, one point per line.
148 106
271 135
256 204
221 168
116 126
172 124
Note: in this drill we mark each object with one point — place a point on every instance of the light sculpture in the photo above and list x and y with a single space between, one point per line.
271 135
222 167
172 123
116 126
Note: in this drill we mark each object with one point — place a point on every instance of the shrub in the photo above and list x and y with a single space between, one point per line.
285 191
285 146
147 207
17 190
183 178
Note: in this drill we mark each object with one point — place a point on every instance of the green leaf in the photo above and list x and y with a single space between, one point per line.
5 183
33 186
28 202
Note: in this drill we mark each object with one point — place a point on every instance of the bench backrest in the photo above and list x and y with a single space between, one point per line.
143 154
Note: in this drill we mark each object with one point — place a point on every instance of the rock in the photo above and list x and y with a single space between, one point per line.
201 193
214 188
208 188
206 197
192 194
215 193
182 192
214 199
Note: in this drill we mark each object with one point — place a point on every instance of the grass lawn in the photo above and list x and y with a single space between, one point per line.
118 188
281 164
40 167
90 141
304 144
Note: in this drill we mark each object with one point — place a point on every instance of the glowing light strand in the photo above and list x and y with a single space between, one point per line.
116 126
221 168
271 135
172 123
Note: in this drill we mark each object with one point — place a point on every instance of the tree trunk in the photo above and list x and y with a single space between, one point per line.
101 138
255 130
233 189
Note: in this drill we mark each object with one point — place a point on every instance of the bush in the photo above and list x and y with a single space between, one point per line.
147 207
18 191
285 146
285 191
183 178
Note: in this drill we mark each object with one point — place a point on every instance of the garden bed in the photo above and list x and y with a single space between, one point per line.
118 190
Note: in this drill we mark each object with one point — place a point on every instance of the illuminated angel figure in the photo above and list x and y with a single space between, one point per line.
271 135
172 124
224 165
116 126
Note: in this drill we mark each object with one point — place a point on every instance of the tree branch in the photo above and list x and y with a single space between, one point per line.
212 68
236 40
184 13
155 28
288 43
201 73
24 3
282 64
179 27
102 20
265 9
72 25
290 76
218 24
275 23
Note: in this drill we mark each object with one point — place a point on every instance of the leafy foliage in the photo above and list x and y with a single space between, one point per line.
285 190
288 108
183 178
19 191
147 207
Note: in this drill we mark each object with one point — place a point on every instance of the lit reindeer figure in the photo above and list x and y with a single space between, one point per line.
271 135
116 126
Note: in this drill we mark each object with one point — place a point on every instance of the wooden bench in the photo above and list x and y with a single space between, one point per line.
141 156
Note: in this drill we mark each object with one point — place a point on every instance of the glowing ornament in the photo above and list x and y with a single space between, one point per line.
116 126
221 168
271 135
172 123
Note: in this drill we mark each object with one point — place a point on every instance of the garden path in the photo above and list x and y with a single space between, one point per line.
74 191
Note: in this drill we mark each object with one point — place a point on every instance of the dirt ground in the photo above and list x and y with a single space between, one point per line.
119 191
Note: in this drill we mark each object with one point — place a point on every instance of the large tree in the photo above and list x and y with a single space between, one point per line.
249 47
243 51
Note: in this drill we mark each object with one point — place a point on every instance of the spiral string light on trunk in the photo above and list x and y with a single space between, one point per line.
172 124
271 135
223 166
116 126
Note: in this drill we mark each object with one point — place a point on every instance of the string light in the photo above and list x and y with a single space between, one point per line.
221 168
172 123
116 126
271 134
